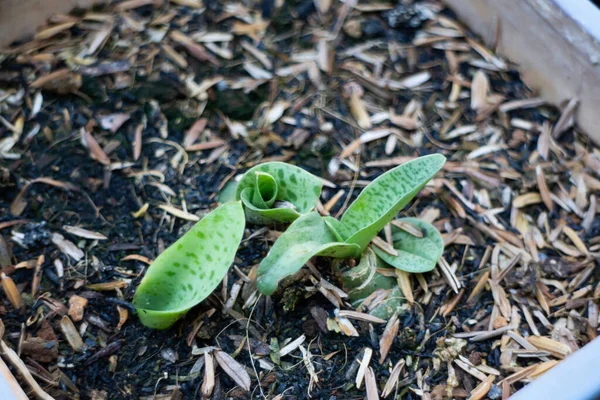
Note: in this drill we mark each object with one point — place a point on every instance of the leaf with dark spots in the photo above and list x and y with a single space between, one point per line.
306 237
415 254
177 280
372 210
277 192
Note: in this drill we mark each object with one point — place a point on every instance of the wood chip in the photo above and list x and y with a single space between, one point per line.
21 367
10 291
208 384
479 90
292 346
71 334
527 199
482 389
76 306
557 349
96 152
359 316
385 246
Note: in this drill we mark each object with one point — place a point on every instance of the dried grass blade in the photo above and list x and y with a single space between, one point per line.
405 284
387 338
371 385
179 213
364 364
234 369
96 152
208 384
392 381
84 233
543 188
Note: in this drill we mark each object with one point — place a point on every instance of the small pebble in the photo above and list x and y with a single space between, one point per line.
495 393
406 16
372 28
353 28
169 354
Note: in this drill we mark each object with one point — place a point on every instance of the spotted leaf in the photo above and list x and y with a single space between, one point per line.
277 192
306 237
415 254
191 268
381 200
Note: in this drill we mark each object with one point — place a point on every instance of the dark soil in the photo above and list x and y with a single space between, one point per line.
147 362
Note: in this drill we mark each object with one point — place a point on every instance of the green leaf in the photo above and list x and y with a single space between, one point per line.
227 194
191 268
415 254
306 237
334 225
363 280
381 200
277 192
359 282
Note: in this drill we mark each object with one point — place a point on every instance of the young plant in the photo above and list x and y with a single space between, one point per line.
277 192
191 268
376 206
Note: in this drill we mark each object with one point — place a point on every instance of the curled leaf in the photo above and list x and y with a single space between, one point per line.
277 192
306 237
363 281
381 200
191 268
415 254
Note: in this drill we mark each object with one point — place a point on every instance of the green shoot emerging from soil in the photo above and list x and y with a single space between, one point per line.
277 192
191 268
379 203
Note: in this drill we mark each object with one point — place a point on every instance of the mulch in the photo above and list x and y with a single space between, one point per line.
120 125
